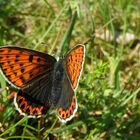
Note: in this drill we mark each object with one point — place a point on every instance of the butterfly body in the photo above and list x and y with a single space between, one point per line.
58 80
42 81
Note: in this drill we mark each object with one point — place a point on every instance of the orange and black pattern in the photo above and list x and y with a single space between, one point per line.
64 114
20 65
34 73
29 105
74 64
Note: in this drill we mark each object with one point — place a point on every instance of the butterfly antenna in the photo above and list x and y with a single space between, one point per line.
2 89
91 38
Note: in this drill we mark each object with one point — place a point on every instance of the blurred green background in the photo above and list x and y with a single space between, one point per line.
109 90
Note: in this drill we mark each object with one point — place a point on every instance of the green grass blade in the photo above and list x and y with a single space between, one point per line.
50 27
67 36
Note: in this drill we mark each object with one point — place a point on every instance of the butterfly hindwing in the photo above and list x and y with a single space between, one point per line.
67 104
74 64
20 66
25 104
40 88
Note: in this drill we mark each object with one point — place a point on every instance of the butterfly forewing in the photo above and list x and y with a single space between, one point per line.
20 66
74 64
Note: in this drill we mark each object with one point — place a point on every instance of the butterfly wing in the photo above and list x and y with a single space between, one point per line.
25 104
40 88
21 66
74 64
67 104
28 70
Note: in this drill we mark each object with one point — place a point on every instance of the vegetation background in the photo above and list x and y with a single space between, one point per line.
109 90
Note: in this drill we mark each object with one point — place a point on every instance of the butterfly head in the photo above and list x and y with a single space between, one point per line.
62 57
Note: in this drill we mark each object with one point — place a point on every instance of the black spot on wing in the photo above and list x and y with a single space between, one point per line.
16 60
17 56
38 59
22 70
31 58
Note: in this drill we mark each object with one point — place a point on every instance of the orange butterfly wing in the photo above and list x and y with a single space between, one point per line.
20 66
74 64
25 104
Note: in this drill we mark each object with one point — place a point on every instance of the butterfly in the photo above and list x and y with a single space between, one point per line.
43 82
